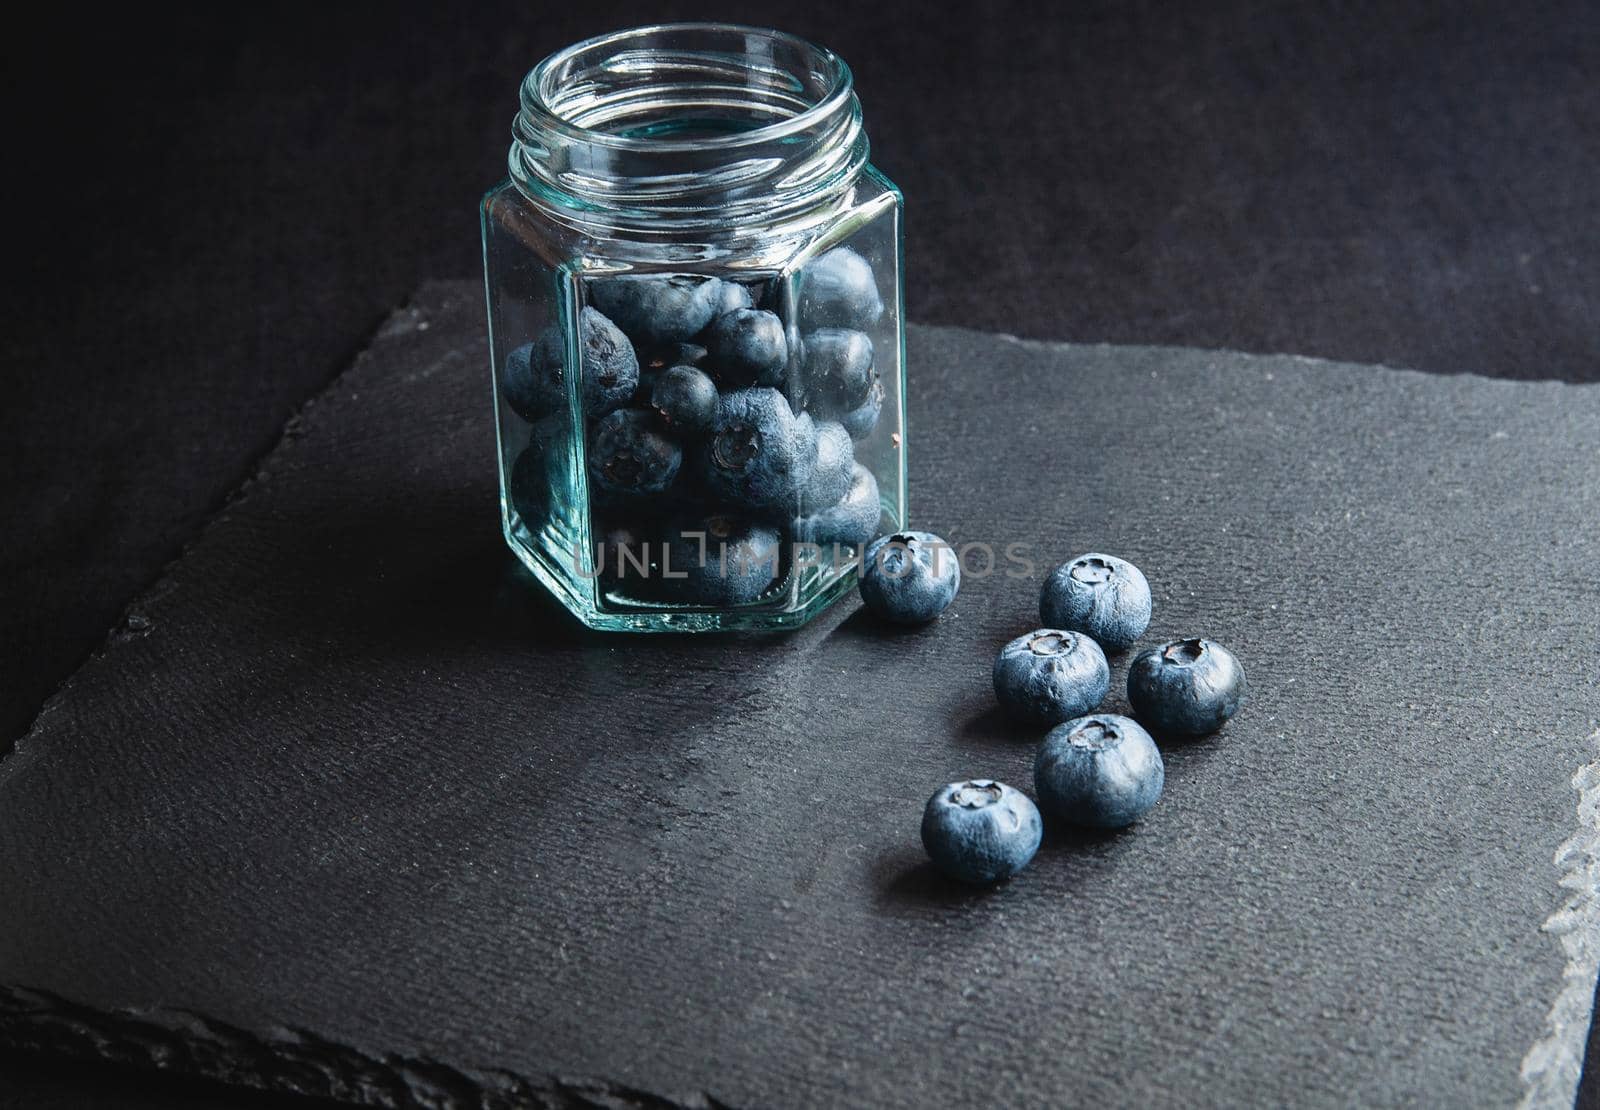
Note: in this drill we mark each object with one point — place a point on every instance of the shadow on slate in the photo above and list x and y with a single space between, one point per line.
347 807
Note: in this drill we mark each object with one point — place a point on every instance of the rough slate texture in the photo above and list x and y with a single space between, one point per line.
346 807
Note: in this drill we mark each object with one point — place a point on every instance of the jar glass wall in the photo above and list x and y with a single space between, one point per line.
691 222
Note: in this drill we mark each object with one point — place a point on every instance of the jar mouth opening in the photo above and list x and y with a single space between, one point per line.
687 87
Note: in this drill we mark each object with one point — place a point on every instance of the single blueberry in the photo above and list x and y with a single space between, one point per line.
729 296
862 420
1102 771
837 370
672 354
685 399
1050 675
850 523
805 439
719 560
832 467
528 396
838 290
534 382
528 487
655 310
909 577
625 553
1099 595
747 347
1186 687
753 457
627 455
980 831
549 434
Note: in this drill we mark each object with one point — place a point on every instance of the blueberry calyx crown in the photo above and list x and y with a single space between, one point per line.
1095 734
736 446
1184 652
719 527
975 794
1052 643
901 539
1092 571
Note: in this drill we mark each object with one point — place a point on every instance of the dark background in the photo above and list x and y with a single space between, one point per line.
208 213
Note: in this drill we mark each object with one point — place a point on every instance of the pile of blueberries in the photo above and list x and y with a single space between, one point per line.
718 434
1097 770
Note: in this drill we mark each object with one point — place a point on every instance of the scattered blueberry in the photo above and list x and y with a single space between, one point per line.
1100 595
685 399
850 523
862 420
719 561
1102 771
534 382
832 468
980 831
747 347
628 455
837 369
657 310
909 577
1050 675
753 457
838 290
1186 687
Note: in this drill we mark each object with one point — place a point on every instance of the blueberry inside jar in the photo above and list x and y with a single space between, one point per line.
694 290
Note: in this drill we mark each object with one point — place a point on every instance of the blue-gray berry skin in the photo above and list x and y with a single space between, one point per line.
629 455
838 290
832 467
1103 771
909 577
685 400
534 380
753 458
1050 675
719 561
729 296
673 354
837 370
980 831
862 420
747 347
1185 687
528 486
529 397
852 522
626 555
655 310
652 364
1102 596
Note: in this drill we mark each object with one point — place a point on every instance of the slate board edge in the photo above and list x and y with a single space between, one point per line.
132 624
1553 1066
1335 365
301 1062
292 1061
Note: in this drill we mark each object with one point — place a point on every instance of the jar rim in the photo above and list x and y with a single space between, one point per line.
539 86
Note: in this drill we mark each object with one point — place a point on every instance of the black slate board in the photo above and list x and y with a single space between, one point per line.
347 807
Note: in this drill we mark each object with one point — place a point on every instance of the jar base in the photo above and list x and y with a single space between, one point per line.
757 617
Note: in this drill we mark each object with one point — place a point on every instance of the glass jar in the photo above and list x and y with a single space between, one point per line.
691 220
